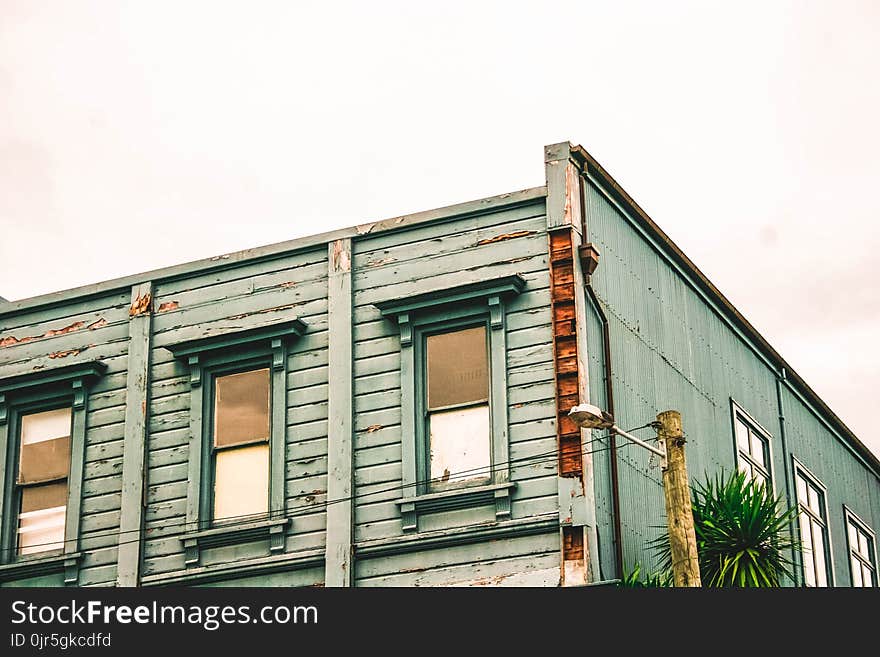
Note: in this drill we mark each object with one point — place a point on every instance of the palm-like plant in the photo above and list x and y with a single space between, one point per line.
742 530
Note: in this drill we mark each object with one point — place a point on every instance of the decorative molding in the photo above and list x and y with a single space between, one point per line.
257 336
496 312
35 567
195 542
266 345
502 286
405 325
447 309
86 371
79 394
195 370
459 498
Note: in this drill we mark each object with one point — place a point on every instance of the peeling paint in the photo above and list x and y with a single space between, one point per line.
143 304
168 305
341 257
98 324
264 310
10 340
505 236
69 352
373 428
287 284
380 262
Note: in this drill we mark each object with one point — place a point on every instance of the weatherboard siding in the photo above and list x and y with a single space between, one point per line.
71 332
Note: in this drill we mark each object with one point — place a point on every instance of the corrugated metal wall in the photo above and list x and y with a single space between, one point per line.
672 351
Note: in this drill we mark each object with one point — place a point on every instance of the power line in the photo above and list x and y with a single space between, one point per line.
308 510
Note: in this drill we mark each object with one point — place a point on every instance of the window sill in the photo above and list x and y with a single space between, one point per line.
194 542
36 566
460 498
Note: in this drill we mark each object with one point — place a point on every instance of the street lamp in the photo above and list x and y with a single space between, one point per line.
588 416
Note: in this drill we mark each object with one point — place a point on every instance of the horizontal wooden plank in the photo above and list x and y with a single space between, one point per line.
375 242
193 292
525 254
495 569
458 555
87 311
244 270
377 435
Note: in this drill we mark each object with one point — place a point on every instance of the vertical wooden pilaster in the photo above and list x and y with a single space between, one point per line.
340 450
577 513
135 442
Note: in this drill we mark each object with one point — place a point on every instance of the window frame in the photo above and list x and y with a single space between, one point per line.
850 517
422 425
66 386
801 470
209 458
438 311
206 358
739 413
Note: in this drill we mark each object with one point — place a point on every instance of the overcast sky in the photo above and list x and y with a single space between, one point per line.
135 135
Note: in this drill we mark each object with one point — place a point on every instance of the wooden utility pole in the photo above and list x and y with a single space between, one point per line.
679 513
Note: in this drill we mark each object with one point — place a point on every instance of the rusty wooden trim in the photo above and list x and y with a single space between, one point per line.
565 350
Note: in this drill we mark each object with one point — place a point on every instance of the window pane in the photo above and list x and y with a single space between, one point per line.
758 450
819 554
815 503
460 445
241 481
41 521
760 478
853 537
746 467
863 545
742 435
802 490
45 446
241 413
867 576
458 367
856 571
807 551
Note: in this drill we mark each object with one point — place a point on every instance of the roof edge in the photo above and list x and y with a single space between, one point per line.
268 252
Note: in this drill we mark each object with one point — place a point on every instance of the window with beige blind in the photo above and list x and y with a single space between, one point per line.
41 481
457 404
241 431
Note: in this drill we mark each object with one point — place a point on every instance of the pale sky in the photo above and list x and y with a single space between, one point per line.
135 135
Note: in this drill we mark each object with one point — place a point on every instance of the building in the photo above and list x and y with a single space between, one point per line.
295 414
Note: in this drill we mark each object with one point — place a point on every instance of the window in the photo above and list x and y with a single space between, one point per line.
862 555
241 444
458 421
813 528
453 378
41 482
752 447
238 407
42 451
